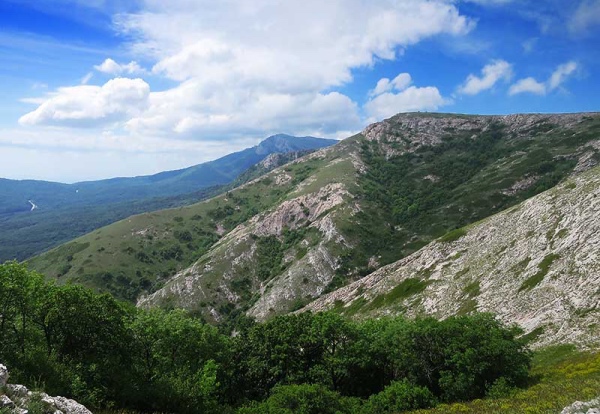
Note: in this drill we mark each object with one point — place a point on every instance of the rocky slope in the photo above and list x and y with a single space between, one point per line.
375 198
536 264
17 399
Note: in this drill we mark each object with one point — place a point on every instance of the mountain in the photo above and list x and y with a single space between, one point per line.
36 215
536 264
332 217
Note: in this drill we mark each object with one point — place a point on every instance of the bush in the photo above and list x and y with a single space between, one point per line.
399 396
302 399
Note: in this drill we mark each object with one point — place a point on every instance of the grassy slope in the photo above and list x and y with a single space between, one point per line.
401 210
561 375
137 254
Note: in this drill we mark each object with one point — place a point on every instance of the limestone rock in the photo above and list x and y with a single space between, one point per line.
17 391
580 407
3 375
68 406
6 402
536 265
19 397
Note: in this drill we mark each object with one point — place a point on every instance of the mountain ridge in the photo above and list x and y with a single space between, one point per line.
65 211
334 216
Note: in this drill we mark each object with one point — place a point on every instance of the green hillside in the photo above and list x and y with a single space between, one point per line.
331 217
38 215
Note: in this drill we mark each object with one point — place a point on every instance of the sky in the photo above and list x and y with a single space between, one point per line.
95 89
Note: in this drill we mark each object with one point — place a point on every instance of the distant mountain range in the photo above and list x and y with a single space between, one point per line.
36 215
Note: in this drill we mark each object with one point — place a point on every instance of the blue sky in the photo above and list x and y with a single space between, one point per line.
101 88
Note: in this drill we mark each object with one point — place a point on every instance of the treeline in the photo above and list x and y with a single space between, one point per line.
73 342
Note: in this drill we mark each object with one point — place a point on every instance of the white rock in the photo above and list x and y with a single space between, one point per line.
68 406
6 402
15 390
3 375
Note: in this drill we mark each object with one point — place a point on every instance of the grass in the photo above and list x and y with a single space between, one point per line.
543 267
560 376
407 288
143 250
453 235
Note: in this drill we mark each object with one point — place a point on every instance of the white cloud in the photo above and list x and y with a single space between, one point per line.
178 111
496 71
243 66
399 83
561 73
527 85
111 67
237 70
558 77
90 106
586 16
385 103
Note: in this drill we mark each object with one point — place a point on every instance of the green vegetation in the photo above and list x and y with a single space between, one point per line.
139 253
109 354
412 188
453 235
66 211
560 375
544 267
436 190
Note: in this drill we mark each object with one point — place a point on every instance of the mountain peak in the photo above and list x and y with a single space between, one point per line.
289 143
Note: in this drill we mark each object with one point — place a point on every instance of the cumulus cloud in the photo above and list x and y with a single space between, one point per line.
558 77
400 82
495 71
111 67
244 68
89 105
390 97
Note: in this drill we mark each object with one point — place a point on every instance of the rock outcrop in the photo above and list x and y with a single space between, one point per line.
580 407
19 400
536 264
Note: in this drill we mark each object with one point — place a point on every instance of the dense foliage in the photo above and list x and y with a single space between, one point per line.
105 353
412 197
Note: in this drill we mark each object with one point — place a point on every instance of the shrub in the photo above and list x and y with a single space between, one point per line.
302 399
400 396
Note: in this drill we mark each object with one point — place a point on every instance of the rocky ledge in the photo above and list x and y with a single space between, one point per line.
18 399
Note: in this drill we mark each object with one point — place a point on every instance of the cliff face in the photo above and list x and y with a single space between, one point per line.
536 264
336 219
